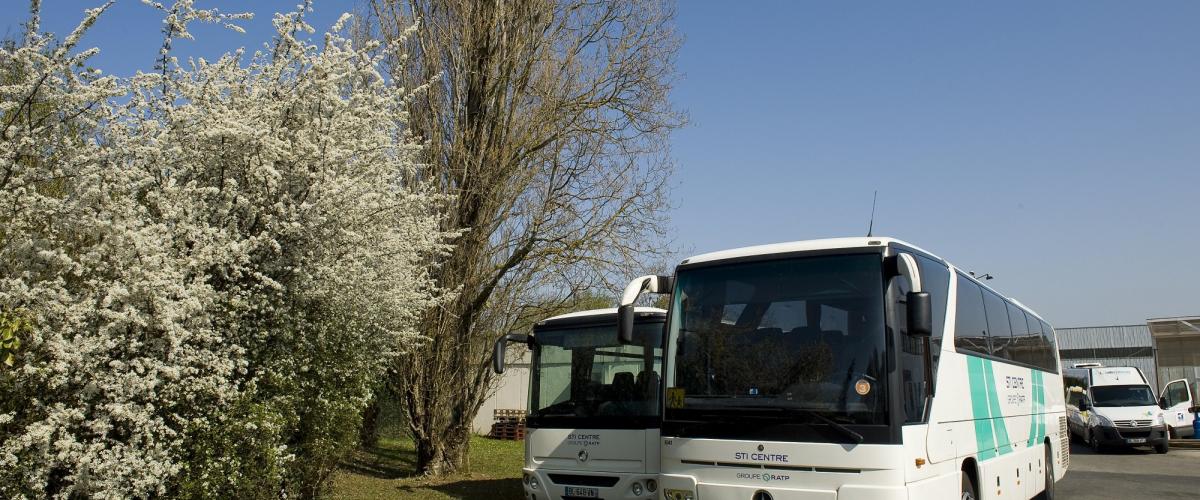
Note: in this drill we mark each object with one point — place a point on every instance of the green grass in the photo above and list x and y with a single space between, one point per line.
388 471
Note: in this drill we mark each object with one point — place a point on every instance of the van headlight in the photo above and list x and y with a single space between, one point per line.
1161 419
671 494
1101 420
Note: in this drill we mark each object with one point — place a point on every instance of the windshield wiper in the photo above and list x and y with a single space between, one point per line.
813 415
816 415
833 424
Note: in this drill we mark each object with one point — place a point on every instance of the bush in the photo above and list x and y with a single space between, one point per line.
216 260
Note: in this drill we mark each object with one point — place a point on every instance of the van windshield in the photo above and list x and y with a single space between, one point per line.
1122 395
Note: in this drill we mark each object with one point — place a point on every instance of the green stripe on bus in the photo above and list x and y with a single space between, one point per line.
985 442
998 426
1035 413
1041 406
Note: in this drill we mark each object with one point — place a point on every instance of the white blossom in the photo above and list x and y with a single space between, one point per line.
244 240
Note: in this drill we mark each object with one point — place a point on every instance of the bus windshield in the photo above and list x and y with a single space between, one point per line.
583 377
1122 395
779 347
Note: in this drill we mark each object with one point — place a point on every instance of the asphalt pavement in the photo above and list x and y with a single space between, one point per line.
1131 474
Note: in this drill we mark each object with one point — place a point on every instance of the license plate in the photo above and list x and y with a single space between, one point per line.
574 491
1135 440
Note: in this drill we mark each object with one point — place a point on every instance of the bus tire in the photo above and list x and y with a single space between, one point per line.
1048 490
968 487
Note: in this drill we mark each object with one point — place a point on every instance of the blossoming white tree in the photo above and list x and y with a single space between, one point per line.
210 264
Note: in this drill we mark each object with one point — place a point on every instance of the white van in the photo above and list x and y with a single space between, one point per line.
1113 406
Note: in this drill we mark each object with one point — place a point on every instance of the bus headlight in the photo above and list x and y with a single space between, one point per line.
671 494
636 489
533 482
651 485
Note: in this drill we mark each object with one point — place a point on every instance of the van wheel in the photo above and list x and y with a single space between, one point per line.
1162 448
968 487
1048 491
1095 443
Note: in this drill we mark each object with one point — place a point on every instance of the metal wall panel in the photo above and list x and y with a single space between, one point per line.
1178 358
1109 337
1104 337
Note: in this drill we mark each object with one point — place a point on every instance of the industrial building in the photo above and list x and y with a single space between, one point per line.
1165 349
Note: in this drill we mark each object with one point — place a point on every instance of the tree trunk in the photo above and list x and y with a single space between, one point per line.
444 456
547 123
368 433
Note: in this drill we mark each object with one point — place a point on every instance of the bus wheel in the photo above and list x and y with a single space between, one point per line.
968 487
1048 491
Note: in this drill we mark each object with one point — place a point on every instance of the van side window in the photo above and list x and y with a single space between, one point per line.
1176 393
970 320
998 327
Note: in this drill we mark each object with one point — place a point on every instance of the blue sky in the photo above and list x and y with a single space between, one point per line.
1054 145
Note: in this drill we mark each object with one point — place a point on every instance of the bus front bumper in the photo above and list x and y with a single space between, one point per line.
684 487
555 484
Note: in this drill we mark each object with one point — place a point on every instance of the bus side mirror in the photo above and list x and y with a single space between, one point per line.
920 314
625 323
501 346
626 309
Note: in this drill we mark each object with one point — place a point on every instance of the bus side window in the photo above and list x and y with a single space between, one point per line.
1051 346
1043 356
970 321
998 328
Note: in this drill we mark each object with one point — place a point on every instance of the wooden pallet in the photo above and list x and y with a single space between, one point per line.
509 424
502 415
507 431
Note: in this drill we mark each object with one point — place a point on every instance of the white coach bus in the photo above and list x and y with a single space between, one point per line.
852 369
594 409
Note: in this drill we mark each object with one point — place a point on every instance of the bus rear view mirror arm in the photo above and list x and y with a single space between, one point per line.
626 309
920 305
501 346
